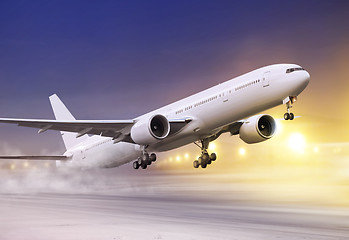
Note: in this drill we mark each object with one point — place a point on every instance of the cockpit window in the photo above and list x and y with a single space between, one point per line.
294 69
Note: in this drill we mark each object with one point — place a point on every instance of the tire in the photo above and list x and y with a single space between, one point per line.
135 165
213 157
286 116
204 165
291 116
152 157
205 157
144 166
196 164
145 157
200 161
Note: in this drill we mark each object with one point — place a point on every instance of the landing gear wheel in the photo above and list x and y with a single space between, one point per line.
135 165
200 161
196 164
144 165
152 157
145 157
291 116
287 116
213 157
205 157
204 165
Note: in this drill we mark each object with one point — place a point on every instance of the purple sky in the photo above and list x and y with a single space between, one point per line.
120 59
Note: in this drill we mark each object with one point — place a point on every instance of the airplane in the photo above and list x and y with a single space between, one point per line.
230 107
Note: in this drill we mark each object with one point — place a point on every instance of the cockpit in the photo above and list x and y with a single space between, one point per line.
294 69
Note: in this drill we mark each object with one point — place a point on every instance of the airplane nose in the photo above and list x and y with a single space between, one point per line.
306 77
303 80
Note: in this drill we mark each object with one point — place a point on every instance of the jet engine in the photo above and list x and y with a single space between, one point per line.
257 129
151 130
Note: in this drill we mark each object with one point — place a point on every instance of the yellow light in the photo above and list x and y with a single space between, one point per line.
186 156
212 146
297 142
316 149
178 159
171 159
242 151
25 164
13 166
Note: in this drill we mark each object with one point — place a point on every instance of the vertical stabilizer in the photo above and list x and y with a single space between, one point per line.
62 113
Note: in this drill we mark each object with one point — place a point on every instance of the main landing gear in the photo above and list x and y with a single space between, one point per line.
289 101
144 160
205 158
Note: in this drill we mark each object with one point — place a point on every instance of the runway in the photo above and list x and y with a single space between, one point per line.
155 205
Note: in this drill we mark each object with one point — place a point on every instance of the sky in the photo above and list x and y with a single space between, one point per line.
121 59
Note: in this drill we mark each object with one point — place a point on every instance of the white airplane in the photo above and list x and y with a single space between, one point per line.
201 118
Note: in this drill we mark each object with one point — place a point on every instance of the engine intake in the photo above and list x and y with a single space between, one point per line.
149 131
257 129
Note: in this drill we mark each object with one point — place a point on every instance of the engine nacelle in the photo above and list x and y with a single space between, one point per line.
257 129
148 131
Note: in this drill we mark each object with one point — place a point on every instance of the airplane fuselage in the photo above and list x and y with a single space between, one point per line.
210 110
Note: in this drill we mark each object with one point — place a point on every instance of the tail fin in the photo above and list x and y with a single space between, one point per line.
62 113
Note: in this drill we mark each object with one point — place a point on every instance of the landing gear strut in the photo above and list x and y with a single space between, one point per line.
289 101
205 158
144 160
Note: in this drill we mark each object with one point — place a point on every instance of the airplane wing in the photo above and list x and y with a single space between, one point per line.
33 157
117 129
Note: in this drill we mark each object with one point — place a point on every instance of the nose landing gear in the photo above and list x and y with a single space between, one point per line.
289 101
205 158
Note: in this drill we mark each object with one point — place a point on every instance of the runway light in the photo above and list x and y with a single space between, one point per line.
316 149
186 156
171 159
25 164
242 151
178 159
297 142
13 166
212 146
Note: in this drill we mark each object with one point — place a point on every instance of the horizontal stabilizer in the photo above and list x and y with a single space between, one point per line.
33 157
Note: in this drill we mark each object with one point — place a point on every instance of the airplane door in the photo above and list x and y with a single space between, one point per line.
265 79
225 96
83 153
